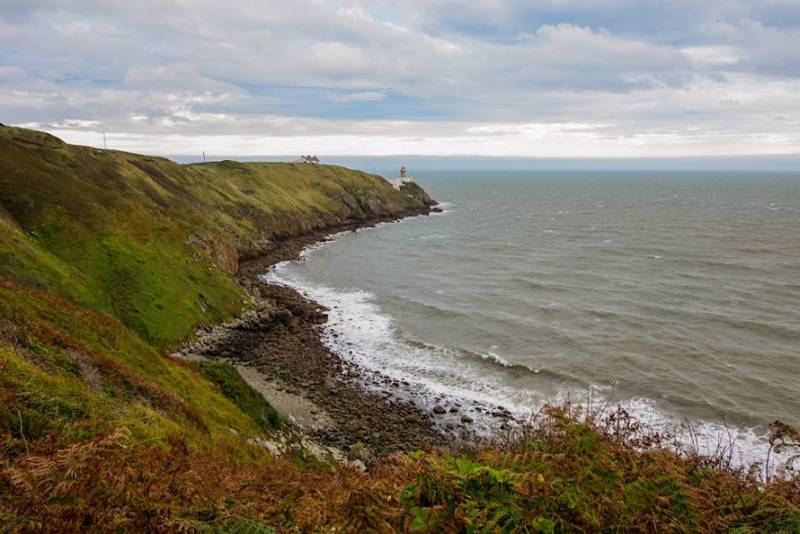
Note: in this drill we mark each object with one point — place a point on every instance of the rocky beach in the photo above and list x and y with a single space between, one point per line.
277 348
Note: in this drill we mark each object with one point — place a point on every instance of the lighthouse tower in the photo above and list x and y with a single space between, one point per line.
403 179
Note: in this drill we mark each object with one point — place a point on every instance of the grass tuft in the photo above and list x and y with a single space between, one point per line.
233 386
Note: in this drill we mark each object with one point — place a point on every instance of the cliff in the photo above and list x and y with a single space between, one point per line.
153 243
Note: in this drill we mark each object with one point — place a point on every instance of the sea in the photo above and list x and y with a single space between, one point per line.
672 293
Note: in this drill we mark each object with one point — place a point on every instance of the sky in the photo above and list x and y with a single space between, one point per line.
543 79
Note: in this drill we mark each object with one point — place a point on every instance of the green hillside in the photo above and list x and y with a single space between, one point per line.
153 243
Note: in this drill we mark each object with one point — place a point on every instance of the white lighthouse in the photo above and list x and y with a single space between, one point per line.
403 179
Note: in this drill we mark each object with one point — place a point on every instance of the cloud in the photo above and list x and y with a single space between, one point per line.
384 138
768 51
349 98
575 57
608 73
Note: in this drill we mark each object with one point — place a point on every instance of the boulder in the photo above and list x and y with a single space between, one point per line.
359 451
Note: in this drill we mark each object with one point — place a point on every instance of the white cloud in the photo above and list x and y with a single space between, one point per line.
75 123
495 77
381 138
349 98
711 56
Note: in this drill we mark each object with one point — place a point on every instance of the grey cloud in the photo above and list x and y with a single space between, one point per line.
765 50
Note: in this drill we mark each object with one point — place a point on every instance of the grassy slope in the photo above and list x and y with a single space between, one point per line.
153 243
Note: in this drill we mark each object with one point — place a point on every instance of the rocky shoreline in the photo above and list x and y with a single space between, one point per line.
278 349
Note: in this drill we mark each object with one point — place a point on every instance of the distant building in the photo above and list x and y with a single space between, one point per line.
403 179
314 160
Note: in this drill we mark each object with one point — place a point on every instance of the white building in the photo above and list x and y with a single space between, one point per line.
404 178
314 160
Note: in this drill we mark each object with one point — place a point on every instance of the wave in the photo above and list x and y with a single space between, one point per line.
500 363
745 446
439 311
540 284
357 330
446 208
499 360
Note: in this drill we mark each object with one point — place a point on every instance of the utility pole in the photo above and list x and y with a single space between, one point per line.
204 158
105 144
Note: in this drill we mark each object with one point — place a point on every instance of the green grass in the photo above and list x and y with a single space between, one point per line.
72 373
108 259
233 386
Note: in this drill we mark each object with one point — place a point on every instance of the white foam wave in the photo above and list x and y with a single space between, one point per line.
496 359
446 208
358 331
743 446
311 248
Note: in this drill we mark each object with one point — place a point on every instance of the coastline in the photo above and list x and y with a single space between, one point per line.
278 349
337 406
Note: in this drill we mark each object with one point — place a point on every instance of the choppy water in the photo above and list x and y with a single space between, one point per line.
677 294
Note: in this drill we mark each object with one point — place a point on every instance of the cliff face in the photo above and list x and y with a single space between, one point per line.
154 243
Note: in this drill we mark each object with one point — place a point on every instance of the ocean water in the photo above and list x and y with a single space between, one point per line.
675 294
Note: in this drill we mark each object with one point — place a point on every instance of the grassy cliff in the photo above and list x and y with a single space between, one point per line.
153 243
109 259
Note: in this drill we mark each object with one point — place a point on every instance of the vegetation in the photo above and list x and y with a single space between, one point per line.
233 386
108 259
565 472
562 474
